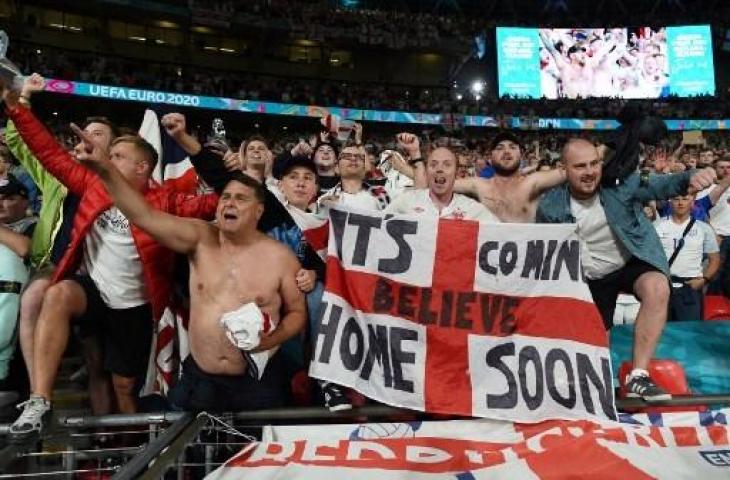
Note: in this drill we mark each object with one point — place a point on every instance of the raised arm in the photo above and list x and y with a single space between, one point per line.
181 235
207 163
293 307
559 61
410 144
468 186
45 148
662 187
719 189
678 152
542 181
610 51
17 146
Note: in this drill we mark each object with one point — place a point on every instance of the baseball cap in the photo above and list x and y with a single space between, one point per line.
297 161
505 135
11 186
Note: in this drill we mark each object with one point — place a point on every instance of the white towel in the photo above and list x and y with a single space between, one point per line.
244 327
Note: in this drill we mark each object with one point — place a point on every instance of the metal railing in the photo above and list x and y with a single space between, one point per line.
181 441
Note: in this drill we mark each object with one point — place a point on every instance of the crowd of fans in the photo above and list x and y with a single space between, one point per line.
463 18
320 21
87 241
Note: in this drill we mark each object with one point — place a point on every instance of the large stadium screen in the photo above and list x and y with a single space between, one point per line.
640 62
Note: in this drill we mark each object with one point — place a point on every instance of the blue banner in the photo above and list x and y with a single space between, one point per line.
519 63
108 92
690 61
702 348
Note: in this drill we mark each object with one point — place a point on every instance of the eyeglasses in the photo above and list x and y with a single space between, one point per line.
353 156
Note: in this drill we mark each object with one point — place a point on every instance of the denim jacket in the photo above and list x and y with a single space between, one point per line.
623 205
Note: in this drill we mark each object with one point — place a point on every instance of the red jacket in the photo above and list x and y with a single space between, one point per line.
157 261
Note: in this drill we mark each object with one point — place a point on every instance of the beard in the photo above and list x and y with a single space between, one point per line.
505 172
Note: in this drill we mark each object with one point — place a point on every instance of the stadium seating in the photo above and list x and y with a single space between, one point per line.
668 374
717 307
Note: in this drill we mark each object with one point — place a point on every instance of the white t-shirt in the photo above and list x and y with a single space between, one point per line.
112 261
602 252
720 214
363 200
419 202
698 241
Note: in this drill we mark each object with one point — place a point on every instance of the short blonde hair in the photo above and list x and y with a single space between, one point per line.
141 145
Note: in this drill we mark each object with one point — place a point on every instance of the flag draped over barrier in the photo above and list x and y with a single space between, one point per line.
453 316
486 449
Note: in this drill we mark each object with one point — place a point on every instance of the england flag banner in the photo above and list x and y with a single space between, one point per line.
458 317
485 449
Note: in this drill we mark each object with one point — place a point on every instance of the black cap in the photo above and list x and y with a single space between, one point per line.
298 161
11 186
505 135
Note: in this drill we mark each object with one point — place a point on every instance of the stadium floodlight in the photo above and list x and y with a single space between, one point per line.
477 87
459 96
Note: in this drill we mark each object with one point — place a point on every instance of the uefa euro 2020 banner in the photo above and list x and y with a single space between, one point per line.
457 317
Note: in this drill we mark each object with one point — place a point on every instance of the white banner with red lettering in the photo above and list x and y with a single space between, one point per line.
453 316
485 449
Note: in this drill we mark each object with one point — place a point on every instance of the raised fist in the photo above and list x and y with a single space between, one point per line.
702 179
174 124
410 144
31 84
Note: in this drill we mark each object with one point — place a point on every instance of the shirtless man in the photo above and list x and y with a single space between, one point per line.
509 195
578 74
217 375
605 53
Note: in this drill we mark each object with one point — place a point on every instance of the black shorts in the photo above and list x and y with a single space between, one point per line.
605 290
201 391
125 334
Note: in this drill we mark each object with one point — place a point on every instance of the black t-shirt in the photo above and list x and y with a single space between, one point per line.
327 183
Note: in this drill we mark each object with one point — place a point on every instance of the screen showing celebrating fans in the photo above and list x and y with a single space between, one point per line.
638 62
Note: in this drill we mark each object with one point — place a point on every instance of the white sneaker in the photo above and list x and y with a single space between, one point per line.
36 411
